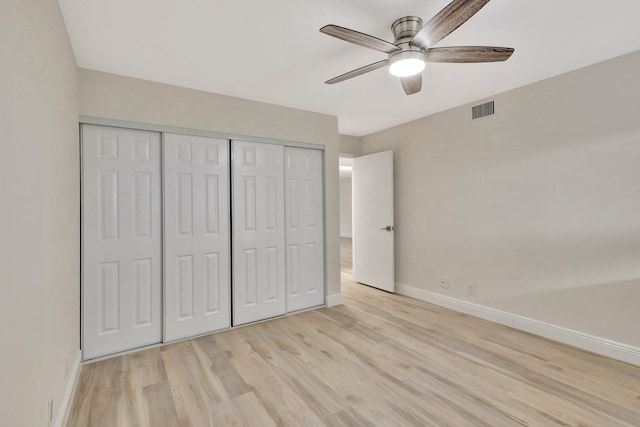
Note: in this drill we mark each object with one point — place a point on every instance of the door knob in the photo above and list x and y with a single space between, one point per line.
388 228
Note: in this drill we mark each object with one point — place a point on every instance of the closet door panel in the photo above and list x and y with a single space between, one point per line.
304 228
121 240
258 230
196 256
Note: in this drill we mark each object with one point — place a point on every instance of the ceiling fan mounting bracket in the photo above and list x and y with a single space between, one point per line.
405 28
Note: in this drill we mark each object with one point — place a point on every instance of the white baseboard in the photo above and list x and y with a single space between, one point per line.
346 235
67 400
335 299
603 346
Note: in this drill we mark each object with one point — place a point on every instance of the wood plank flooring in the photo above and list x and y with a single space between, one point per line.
378 360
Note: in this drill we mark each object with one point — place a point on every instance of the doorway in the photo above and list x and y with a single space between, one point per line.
346 219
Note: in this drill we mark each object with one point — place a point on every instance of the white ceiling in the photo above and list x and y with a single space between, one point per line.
272 51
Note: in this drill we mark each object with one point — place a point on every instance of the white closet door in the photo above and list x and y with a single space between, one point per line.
121 240
304 228
258 232
196 224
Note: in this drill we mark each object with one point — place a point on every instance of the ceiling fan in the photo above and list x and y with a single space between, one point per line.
412 45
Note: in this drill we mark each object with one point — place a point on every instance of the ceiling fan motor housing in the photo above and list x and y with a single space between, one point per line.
405 28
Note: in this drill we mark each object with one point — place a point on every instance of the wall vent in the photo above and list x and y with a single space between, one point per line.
483 110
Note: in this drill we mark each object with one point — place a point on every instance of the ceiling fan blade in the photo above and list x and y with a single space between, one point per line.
446 21
412 84
361 39
358 72
468 54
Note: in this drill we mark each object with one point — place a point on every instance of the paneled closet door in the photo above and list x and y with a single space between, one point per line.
196 223
304 228
121 240
258 232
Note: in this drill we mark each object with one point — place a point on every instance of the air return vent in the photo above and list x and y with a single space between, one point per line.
482 110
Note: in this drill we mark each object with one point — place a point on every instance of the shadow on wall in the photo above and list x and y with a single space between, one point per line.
590 305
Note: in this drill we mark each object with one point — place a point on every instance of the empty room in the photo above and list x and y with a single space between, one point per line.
335 213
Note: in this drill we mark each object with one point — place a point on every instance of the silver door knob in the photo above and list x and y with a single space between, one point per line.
388 228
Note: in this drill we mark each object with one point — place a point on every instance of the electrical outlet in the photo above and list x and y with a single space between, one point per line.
444 282
471 289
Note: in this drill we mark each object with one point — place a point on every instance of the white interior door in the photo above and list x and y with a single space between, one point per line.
373 220
258 232
304 228
196 235
121 240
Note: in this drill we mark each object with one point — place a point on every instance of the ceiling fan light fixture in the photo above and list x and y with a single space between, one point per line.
407 63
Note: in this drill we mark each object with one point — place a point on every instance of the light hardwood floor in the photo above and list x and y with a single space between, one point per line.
378 360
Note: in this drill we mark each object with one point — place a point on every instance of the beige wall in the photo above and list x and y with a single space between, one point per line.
123 98
346 229
538 206
349 144
39 218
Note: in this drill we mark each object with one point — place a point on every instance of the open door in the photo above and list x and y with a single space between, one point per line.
373 230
